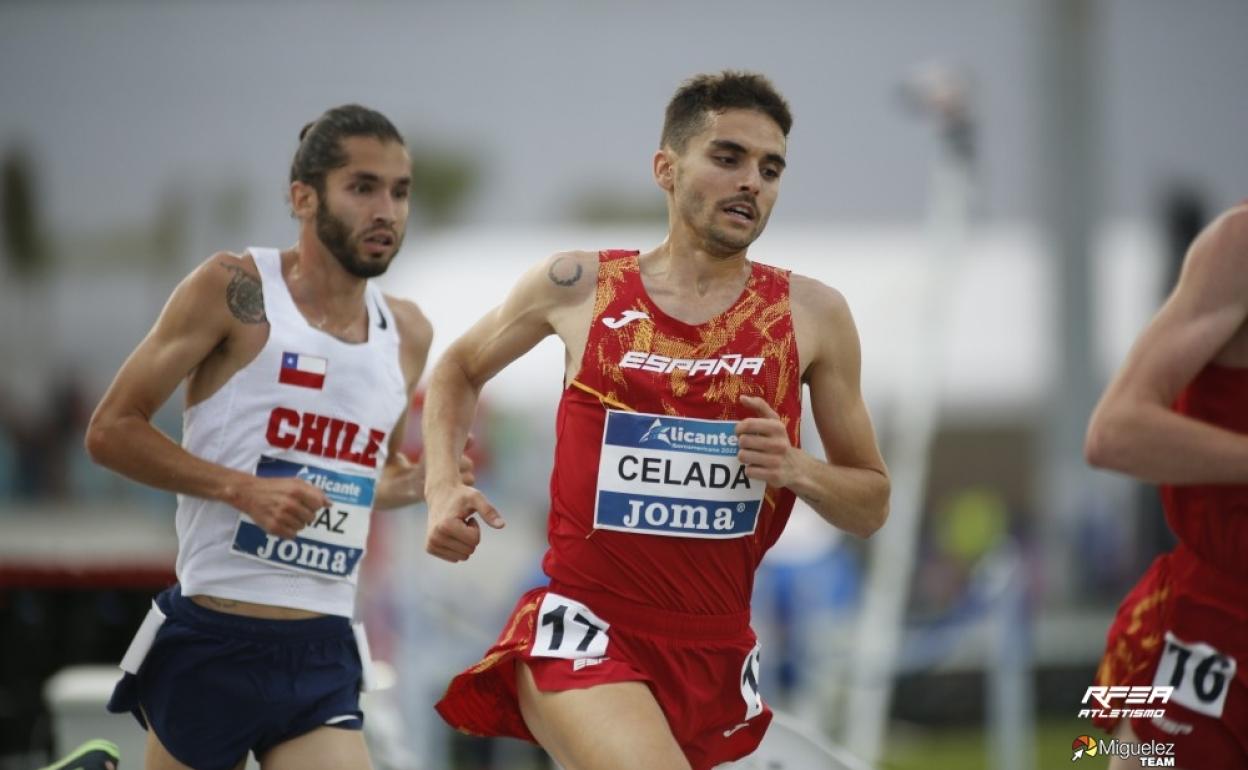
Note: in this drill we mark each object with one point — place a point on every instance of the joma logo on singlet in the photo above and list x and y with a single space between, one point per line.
679 516
303 553
324 436
729 363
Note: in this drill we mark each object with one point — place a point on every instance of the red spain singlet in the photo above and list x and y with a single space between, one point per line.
688 554
1185 624
1212 520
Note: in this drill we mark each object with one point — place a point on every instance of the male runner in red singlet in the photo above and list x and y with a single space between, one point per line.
1176 415
677 460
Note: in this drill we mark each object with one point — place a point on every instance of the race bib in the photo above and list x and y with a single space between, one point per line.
675 477
568 629
1200 675
331 546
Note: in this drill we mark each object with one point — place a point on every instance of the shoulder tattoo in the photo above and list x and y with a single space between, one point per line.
558 273
245 296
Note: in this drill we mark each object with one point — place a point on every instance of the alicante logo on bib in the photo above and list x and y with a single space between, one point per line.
674 477
679 435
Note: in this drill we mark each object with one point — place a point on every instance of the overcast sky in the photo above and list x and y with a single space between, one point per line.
121 101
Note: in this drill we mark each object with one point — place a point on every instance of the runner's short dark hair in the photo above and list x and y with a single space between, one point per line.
701 95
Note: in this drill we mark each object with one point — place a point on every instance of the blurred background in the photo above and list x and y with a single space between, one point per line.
1002 190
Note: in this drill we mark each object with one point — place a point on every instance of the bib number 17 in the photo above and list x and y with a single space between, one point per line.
568 629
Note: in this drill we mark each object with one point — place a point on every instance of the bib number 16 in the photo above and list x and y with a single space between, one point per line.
1200 675
568 629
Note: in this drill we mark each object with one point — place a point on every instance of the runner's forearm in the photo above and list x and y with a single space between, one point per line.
134 448
1155 444
449 409
402 482
852 499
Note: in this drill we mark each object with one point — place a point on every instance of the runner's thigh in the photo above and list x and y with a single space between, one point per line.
157 757
325 748
606 727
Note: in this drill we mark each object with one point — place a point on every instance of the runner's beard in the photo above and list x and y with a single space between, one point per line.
335 234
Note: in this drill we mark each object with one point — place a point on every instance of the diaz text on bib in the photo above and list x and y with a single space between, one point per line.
331 546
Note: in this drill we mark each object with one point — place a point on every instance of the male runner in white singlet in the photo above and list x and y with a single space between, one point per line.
298 376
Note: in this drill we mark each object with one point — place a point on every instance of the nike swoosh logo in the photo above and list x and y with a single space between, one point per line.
343 718
381 319
627 317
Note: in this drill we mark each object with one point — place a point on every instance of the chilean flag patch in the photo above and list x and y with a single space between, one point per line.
303 370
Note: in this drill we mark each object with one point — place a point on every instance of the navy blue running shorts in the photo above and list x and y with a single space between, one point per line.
216 686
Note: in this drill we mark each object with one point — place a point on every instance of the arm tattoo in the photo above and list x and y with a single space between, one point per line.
245 297
563 281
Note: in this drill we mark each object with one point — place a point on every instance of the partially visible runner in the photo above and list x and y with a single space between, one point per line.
1176 414
676 464
298 374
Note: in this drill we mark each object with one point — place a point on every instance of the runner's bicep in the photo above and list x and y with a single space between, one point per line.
1184 336
1204 312
836 401
506 332
493 343
843 422
191 325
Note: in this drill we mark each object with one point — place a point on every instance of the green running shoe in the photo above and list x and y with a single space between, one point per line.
92 755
